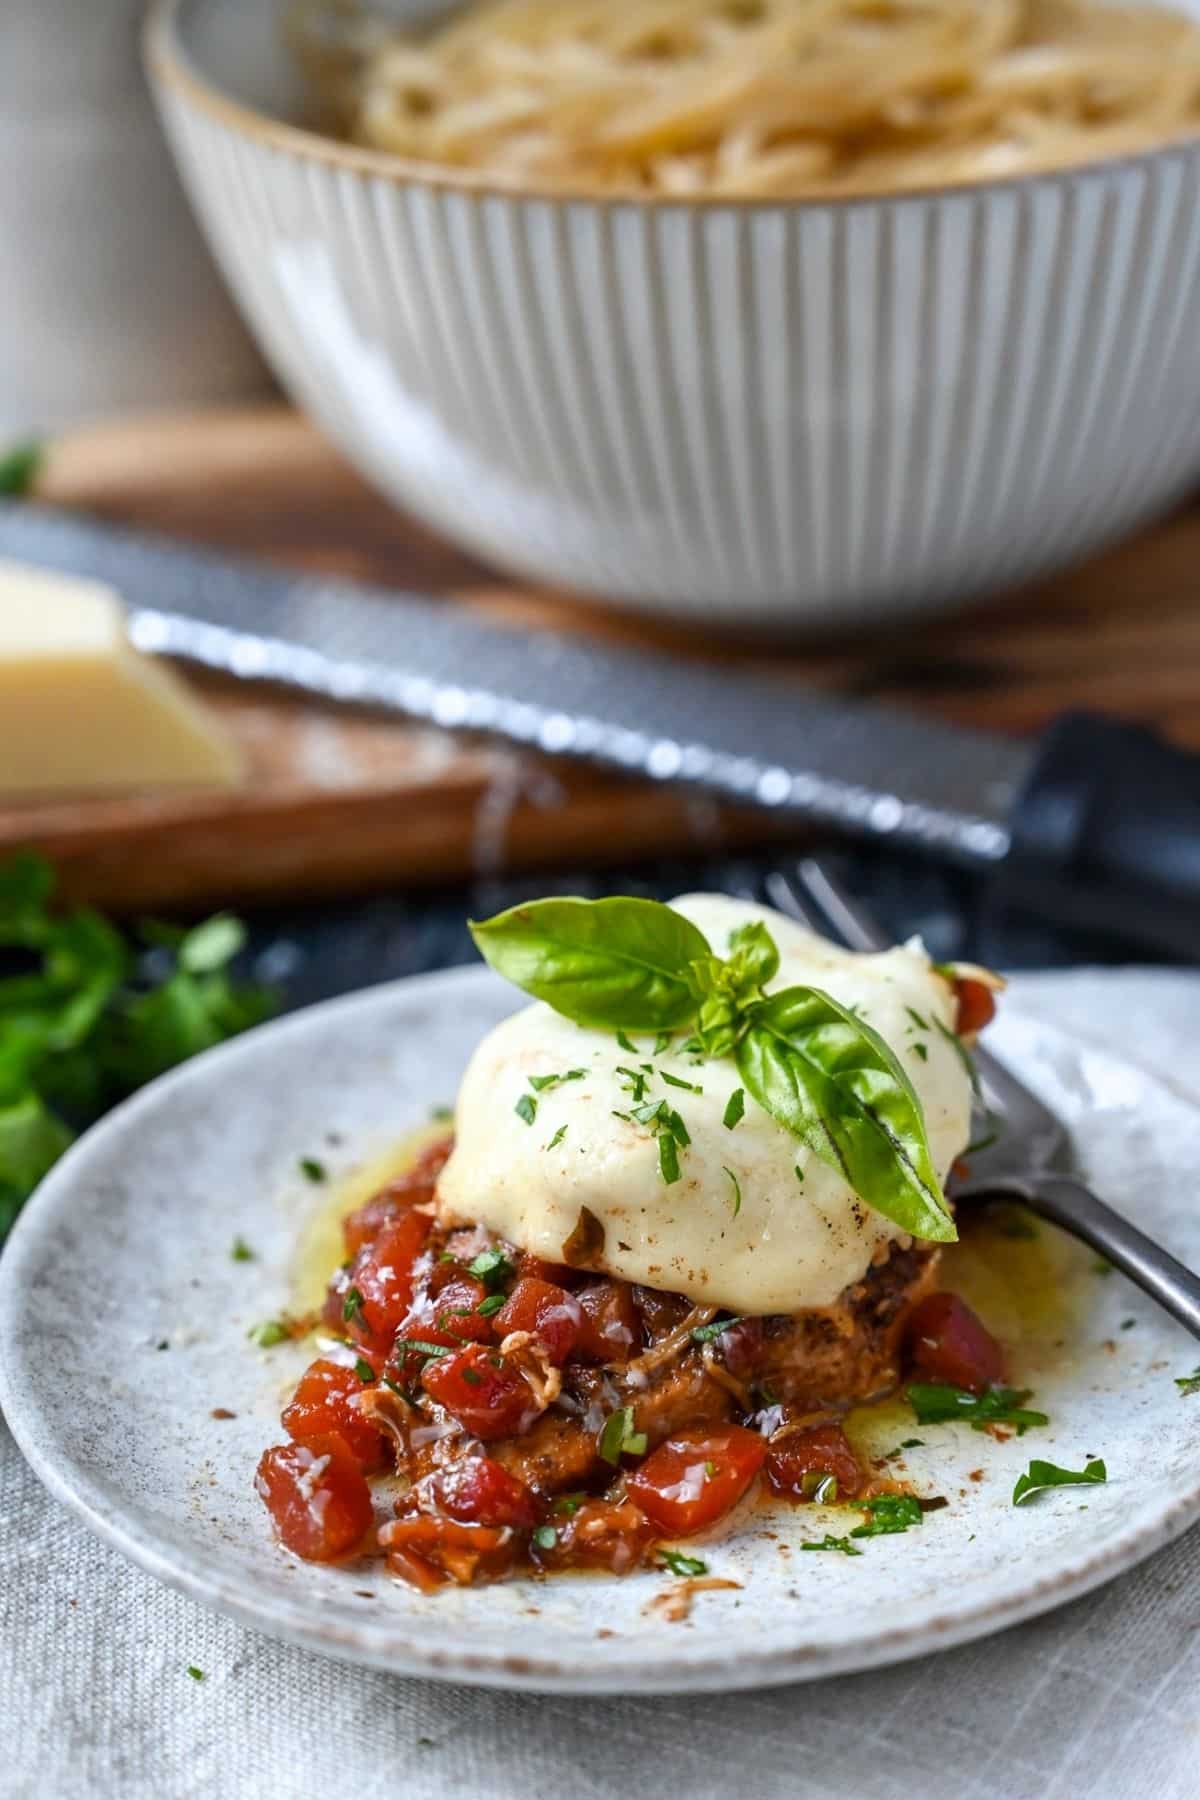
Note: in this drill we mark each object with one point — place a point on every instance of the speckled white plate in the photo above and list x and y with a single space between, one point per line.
127 1247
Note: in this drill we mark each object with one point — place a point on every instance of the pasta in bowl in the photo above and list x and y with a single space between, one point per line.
889 389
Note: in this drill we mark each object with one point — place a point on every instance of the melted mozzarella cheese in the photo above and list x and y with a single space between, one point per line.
801 1235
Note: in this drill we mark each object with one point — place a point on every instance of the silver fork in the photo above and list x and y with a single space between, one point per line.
1030 1156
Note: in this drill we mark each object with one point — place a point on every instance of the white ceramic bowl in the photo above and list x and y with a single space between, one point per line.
790 412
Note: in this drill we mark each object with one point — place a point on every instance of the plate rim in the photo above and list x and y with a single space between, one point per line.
387 1643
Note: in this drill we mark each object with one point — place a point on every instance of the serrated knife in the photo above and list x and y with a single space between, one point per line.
1097 822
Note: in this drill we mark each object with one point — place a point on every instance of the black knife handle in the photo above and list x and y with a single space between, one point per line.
1106 831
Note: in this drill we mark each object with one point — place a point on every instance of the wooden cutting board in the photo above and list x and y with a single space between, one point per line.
341 802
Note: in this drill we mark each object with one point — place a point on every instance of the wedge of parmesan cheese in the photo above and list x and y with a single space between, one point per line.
81 710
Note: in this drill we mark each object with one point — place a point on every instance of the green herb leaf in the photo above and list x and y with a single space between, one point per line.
540 1082
195 1673
240 1251
618 1438
312 1170
363 1369
668 1158
689 1087
488 1308
888 1514
833 1082
19 469
662 1042
270 1333
615 964
1042 1475
963 1054
705 1334
421 1347
526 1108
211 945
829 1542
735 1109
936 1402
491 1267
352 1307
737 1192
557 1139
753 956
545 1537
1188 1384
625 1044
679 1564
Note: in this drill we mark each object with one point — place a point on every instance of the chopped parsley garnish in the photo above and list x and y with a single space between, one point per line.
921 1051
633 1081
1128 1325
662 1042
668 1158
491 1305
441 1114
828 1542
737 1192
704 1334
240 1251
567 1503
920 1023
269 1333
935 1402
540 1082
652 1112
312 1170
679 1564
195 1673
1188 1384
1042 1475
526 1108
557 1139
363 1369
888 1513
689 1087
352 1307
907 1444
735 1109
798 1172
491 1267
625 1043
545 1537
618 1437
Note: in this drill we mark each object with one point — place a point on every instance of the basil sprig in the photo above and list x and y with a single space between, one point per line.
1042 1475
628 964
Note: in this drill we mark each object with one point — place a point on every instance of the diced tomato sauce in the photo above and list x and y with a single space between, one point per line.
694 1478
326 1400
414 1188
610 1331
317 1496
794 1462
948 1342
547 1312
484 1393
558 1273
428 1552
479 1491
976 1006
381 1276
598 1534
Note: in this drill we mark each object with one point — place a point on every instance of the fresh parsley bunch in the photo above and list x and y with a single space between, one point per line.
82 1022
626 964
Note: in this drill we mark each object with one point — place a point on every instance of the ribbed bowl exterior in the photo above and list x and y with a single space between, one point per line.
795 414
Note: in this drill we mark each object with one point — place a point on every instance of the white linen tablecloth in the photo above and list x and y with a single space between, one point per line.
1101 1698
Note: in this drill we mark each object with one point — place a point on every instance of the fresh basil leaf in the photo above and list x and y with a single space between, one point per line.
526 1108
491 1267
753 955
937 1402
618 1438
1042 1475
1188 1384
668 1158
735 1109
833 1081
619 963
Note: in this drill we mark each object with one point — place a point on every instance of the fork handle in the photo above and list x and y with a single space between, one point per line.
1071 1204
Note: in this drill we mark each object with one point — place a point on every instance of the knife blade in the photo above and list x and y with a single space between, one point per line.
1098 823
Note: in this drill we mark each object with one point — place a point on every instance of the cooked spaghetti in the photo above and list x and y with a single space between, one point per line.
745 97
